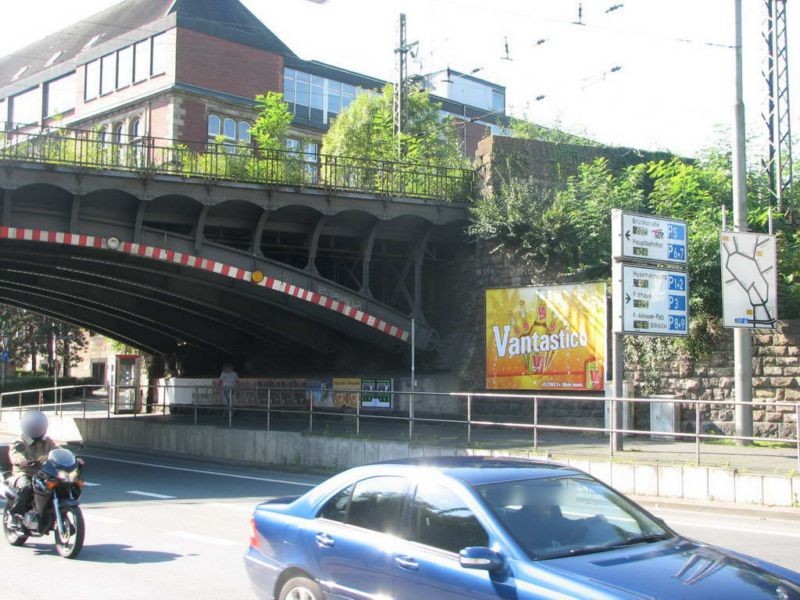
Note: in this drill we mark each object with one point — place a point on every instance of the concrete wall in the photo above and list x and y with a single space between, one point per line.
325 452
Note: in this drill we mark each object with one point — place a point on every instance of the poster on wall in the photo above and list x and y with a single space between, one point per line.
376 393
546 338
346 392
319 392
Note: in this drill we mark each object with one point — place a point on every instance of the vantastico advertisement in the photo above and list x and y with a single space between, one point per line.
546 338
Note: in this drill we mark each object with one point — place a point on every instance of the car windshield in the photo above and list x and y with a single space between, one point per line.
565 516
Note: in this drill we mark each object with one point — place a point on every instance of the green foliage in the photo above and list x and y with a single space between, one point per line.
272 124
526 130
30 334
366 130
567 233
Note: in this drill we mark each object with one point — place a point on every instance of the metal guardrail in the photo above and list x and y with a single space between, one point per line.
102 150
271 401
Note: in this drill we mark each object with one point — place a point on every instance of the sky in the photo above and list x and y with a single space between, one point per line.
674 89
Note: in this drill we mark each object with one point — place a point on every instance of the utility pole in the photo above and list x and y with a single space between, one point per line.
742 345
399 106
778 162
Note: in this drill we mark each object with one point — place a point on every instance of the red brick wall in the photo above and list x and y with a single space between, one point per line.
160 109
225 66
195 120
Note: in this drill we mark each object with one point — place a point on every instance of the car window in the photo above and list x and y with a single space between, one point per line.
439 518
376 504
561 516
335 509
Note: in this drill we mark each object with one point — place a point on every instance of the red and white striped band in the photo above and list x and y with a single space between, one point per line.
188 260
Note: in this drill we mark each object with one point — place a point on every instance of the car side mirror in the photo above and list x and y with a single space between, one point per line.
483 559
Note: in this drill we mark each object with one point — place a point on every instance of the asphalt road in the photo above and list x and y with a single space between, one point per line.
163 528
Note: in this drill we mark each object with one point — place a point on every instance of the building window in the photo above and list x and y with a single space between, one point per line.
60 95
108 77
3 115
314 98
160 54
92 88
244 132
136 128
26 108
214 127
232 132
116 133
125 67
141 61
498 102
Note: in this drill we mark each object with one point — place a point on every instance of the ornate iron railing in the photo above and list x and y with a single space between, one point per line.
101 150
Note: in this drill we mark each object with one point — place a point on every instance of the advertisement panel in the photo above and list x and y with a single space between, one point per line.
319 392
346 392
546 338
376 393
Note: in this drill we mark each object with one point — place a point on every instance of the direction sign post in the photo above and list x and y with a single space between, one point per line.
650 287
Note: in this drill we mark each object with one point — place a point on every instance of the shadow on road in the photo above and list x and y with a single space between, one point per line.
114 554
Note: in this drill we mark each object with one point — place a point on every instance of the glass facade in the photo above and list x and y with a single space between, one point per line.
316 99
60 95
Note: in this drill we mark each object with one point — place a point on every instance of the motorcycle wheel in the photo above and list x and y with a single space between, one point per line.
69 545
12 537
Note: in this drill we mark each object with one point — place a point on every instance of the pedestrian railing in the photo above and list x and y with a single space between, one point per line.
261 405
102 150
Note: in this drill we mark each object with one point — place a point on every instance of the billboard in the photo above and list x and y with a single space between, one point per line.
546 338
346 392
376 393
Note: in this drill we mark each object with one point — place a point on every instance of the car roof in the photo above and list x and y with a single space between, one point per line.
480 470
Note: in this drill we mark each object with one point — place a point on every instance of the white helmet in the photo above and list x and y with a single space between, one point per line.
34 424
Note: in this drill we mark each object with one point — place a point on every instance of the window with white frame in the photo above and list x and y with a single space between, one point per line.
92 85
141 61
125 67
108 74
231 131
26 108
60 95
160 54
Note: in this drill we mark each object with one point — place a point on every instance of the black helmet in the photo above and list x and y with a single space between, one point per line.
34 424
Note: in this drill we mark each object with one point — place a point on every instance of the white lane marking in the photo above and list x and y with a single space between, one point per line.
226 506
202 471
90 516
90 484
151 495
706 525
205 539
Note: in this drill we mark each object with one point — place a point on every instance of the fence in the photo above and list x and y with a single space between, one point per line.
299 402
101 150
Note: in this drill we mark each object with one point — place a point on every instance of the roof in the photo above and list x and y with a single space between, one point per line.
480 470
226 19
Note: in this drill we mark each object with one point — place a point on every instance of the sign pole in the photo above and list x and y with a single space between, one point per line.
742 346
618 373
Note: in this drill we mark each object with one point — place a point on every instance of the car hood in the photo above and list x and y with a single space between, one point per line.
677 568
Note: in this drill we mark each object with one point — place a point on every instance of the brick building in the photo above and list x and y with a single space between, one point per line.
189 70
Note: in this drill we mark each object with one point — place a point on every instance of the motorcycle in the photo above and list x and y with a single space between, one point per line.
56 489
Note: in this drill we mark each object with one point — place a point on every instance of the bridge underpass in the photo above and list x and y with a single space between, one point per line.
285 279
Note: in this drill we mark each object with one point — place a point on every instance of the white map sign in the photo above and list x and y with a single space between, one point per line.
749 280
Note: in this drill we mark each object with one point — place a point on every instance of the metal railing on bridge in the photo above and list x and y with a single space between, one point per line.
102 150
278 407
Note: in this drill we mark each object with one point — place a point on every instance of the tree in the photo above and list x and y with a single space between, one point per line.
30 336
365 130
272 123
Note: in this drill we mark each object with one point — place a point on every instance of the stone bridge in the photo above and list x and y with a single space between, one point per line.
220 252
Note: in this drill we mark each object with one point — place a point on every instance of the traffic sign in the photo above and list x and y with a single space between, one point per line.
652 301
645 238
749 286
5 356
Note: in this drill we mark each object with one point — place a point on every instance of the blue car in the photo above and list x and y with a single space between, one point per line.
471 527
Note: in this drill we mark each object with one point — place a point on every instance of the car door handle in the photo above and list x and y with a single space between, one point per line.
407 563
323 539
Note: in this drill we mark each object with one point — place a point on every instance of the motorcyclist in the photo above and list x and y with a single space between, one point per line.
26 454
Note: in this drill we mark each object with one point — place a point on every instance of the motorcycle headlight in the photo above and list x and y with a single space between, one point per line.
69 476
